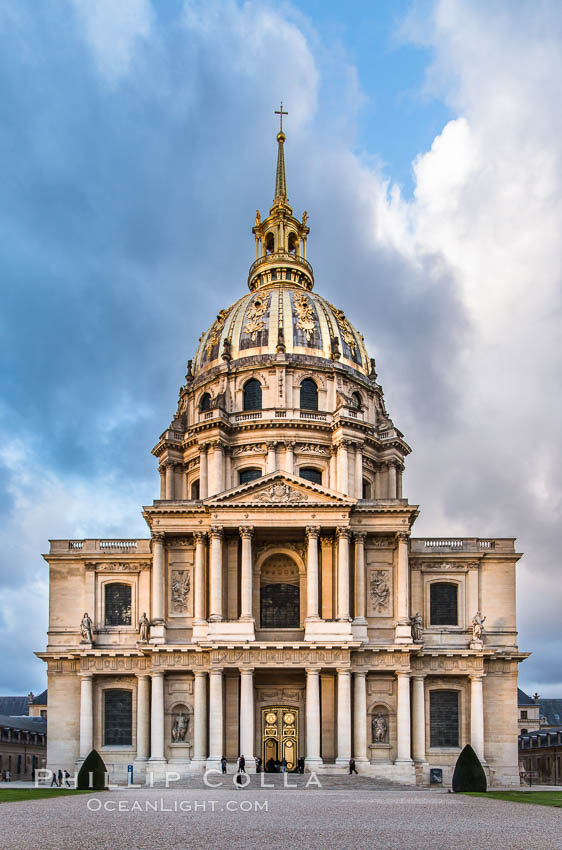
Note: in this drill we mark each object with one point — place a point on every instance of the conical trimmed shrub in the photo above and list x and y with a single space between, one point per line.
93 764
469 774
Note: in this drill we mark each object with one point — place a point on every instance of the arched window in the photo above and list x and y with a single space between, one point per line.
366 494
195 490
443 604
118 718
205 403
309 395
444 718
251 474
293 241
523 731
357 400
311 474
117 604
280 606
269 243
252 395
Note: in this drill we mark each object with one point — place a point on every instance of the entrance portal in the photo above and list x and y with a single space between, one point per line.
279 734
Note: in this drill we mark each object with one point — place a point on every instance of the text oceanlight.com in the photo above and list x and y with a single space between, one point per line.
94 804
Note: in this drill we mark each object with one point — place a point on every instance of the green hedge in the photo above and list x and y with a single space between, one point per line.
92 773
469 774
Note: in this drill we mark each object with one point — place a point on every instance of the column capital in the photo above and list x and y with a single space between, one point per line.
312 531
476 676
157 674
343 531
358 445
326 541
419 676
199 673
216 671
200 536
403 536
343 671
360 673
246 531
247 671
345 443
203 448
312 671
84 676
142 675
271 444
290 444
216 531
158 536
402 674
333 449
359 536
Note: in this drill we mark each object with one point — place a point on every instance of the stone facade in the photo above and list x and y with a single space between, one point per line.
281 607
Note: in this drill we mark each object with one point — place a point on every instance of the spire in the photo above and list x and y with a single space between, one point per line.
280 179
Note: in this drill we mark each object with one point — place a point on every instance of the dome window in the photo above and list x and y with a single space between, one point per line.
309 395
293 241
311 474
195 490
247 475
366 489
269 243
357 400
252 395
205 403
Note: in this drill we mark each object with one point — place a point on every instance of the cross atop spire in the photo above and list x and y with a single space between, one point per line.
280 113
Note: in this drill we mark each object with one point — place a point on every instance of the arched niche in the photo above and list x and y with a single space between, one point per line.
281 566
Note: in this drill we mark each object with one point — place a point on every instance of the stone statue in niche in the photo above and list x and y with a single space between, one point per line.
181 585
416 623
86 629
477 626
379 728
380 591
144 628
179 728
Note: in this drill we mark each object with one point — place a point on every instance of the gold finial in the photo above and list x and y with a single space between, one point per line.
280 113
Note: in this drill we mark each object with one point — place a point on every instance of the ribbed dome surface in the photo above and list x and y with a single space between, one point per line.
281 315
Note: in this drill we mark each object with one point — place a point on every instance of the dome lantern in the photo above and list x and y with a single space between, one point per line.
281 237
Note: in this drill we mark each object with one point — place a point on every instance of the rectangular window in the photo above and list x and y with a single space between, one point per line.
523 715
118 718
444 718
443 604
118 605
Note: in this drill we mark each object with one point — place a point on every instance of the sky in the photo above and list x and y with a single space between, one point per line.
137 140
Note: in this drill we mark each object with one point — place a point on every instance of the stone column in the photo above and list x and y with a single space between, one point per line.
247 716
358 470
170 472
403 628
289 457
392 488
360 607
477 716
200 717
203 471
215 577
143 717
227 468
246 578
418 719
360 717
399 472
271 464
216 719
216 476
333 468
184 491
403 717
86 714
157 718
343 468
343 573
344 717
200 542
312 533
378 482
313 719
158 577
162 471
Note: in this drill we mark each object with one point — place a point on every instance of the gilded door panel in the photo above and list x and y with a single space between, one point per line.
280 735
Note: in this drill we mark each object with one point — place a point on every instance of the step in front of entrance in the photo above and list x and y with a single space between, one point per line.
287 782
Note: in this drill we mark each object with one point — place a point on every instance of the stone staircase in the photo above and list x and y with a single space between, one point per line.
288 782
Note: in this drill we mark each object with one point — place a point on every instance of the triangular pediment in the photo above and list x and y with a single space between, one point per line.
280 490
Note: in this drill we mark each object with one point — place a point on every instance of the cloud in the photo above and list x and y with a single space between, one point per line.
131 185
113 31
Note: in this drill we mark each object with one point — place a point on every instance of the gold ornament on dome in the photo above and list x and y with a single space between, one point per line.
215 332
305 313
255 316
345 328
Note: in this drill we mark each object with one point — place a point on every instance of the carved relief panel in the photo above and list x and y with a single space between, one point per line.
180 584
379 591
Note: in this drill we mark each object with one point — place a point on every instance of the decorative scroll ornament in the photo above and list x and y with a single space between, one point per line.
345 328
216 330
379 589
280 492
305 314
255 316
180 590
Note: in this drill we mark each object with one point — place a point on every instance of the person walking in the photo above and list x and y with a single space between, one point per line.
241 764
284 765
352 768
67 778
223 764
54 780
258 764
60 777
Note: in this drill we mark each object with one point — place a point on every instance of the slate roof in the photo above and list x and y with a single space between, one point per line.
33 724
551 709
13 706
40 699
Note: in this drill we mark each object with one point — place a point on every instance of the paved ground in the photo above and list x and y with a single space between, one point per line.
278 820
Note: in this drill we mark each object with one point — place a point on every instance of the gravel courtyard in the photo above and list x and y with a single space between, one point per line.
215 820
